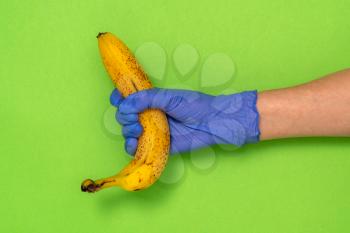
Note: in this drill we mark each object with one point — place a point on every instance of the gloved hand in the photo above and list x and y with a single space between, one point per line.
195 119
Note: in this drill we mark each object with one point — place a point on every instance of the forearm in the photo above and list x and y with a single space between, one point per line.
318 108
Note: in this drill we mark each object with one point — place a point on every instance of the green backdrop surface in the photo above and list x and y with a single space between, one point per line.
54 96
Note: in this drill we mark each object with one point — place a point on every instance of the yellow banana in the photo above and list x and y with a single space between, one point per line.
153 145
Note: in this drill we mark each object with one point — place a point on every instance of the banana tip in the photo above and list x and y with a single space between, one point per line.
89 186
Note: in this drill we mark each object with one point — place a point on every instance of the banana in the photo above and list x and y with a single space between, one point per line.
153 145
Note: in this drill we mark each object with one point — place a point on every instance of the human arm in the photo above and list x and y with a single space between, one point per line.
318 108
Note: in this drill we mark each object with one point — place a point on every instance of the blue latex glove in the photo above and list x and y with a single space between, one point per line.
196 120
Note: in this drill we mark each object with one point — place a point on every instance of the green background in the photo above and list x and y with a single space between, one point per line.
54 91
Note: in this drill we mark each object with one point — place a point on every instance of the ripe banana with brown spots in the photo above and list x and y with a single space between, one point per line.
153 145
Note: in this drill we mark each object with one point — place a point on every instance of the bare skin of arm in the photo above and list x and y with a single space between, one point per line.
318 108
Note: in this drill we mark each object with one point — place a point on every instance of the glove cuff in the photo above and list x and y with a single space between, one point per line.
251 124
236 119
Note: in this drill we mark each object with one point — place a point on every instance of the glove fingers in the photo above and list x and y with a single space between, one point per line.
116 98
130 145
126 119
142 100
133 130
